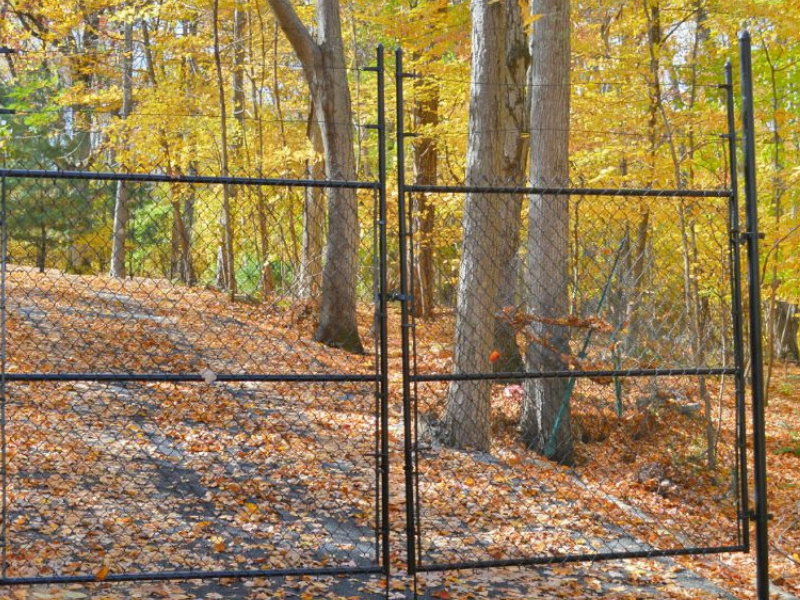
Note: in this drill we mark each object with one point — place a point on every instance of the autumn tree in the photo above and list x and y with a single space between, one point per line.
515 149
545 421
322 58
490 221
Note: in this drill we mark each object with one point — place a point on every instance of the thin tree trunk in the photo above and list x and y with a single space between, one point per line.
779 321
148 53
41 248
226 277
639 271
545 421
122 196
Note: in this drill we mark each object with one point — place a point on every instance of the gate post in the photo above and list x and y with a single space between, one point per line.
3 368
384 333
409 412
383 250
760 514
736 311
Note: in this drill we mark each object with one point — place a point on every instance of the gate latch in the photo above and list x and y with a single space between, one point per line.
746 235
753 516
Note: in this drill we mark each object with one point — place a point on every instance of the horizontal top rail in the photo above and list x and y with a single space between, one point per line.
568 373
567 191
197 179
192 377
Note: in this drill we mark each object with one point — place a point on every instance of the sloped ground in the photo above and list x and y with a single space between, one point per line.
112 477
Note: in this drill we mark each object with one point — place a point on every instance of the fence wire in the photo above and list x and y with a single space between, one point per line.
573 383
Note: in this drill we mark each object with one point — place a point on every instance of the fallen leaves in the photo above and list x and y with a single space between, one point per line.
264 475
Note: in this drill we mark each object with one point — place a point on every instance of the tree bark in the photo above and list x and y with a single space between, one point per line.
514 122
426 167
181 265
226 276
122 196
468 410
545 422
324 68
310 278
785 320
639 272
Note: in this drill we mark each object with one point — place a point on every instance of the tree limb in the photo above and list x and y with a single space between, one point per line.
297 33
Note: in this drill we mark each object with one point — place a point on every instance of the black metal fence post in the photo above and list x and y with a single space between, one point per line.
760 514
3 366
405 317
736 308
383 250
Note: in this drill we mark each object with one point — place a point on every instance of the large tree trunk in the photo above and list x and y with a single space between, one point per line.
545 422
122 197
324 68
468 410
514 123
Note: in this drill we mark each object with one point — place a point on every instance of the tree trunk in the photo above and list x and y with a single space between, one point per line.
226 276
545 421
468 410
324 68
41 248
426 166
514 122
181 266
310 278
122 196
639 271
786 330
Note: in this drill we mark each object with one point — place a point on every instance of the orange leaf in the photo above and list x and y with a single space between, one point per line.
494 356
101 574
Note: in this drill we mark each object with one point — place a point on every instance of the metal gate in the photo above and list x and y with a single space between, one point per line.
143 409
151 428
620 358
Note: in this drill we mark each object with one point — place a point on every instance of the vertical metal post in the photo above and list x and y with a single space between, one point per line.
405 318
736 310
3 363
383 250
760 513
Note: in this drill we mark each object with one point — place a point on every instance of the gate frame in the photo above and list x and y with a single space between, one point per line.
736 237
381 561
